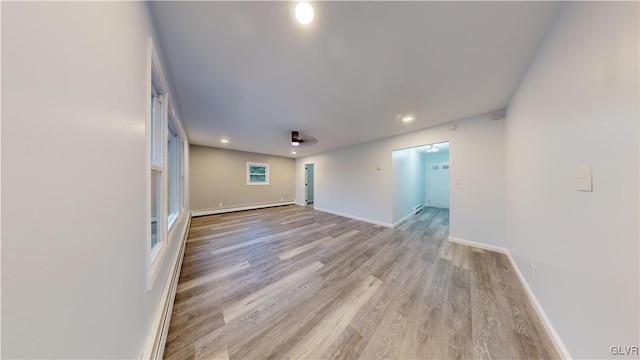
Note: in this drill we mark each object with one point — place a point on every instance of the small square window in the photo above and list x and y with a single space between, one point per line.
257 173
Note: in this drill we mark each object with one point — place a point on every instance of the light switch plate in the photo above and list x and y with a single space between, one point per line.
584 181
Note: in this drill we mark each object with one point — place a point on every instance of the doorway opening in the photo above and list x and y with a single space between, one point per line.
308 184
420 179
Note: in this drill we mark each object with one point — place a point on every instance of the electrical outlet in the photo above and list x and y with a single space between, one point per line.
281 199
532 270
220 205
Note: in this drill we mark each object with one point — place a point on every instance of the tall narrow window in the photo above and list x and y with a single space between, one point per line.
157 165
181 192
174 171
165 143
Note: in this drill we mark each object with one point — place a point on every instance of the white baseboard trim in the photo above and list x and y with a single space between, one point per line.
557 341
239 208
300 204
395 224
158 336
380 223
479 245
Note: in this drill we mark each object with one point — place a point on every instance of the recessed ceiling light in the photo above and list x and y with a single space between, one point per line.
224 141
304 13
293 152
407 118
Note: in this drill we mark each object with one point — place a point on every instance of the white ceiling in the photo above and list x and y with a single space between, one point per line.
246 71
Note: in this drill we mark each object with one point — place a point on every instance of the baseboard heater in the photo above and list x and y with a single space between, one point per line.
418 208
154 350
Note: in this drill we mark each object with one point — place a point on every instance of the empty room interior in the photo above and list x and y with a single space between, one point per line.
315 180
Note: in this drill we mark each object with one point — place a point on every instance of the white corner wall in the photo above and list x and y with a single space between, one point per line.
578 105
347 180
74 181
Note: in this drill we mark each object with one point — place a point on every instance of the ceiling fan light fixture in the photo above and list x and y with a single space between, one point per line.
295 138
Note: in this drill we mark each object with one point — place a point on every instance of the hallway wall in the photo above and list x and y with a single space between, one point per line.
578 104
348 181
408 182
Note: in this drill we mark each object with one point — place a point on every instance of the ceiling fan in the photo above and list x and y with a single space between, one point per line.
299 140
295 138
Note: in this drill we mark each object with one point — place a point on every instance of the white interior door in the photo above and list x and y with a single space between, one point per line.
438 185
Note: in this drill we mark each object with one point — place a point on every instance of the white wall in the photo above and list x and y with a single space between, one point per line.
408 182
74 236
578 105
347 181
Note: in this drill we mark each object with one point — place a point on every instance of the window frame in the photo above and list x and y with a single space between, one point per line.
266 174
157 140
175 182
156 135
157 158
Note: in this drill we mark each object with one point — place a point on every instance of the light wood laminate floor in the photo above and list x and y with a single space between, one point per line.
293 282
